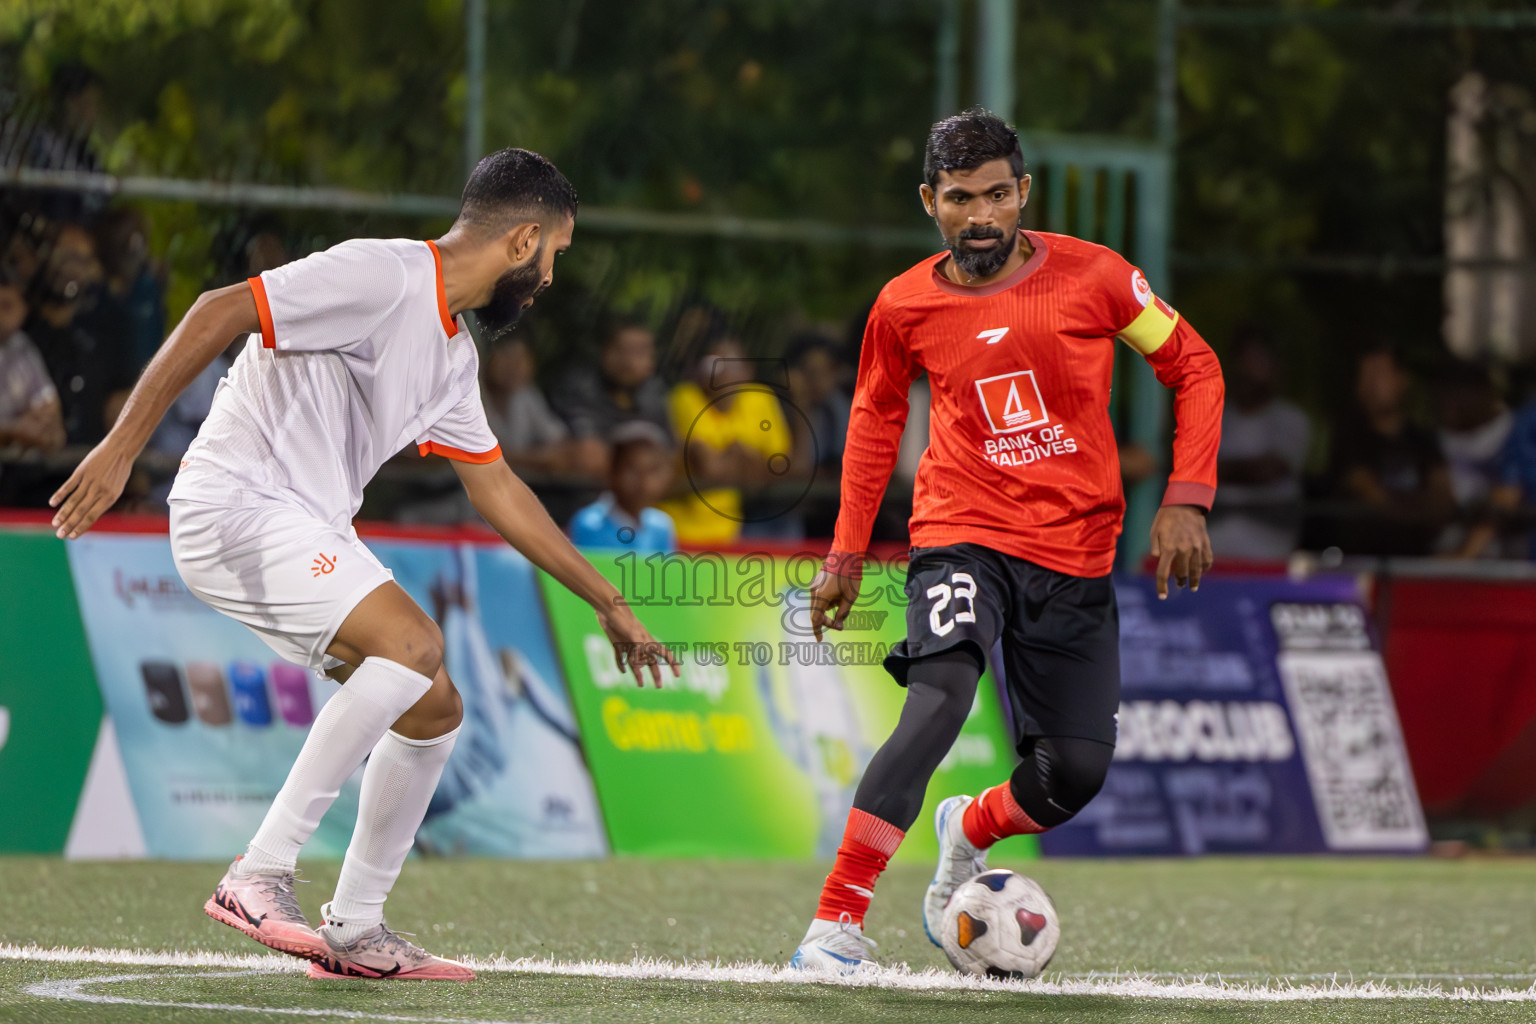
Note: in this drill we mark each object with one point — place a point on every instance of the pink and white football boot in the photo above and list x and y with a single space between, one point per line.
265 908
381 954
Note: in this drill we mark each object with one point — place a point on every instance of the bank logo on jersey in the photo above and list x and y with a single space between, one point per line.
1012 402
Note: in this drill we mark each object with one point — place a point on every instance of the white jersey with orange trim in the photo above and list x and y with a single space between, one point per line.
357 358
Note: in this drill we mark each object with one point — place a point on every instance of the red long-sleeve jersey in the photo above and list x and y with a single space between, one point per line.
1021 454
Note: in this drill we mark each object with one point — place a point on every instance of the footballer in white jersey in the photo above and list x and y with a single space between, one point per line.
354 353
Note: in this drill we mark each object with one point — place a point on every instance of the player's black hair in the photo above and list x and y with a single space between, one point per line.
511 185
967 140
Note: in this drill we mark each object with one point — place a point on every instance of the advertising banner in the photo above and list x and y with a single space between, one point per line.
756 751
209 720
50 711
1254 717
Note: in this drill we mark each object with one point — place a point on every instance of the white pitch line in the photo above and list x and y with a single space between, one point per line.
1201 987
69 990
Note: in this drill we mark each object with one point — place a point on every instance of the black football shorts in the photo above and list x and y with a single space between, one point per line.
1059 635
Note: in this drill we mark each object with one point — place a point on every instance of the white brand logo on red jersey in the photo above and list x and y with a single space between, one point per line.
995 335
1012 402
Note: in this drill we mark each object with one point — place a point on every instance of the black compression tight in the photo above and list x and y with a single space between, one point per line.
940 691
1056 778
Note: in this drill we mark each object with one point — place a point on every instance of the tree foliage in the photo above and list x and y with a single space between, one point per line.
1296 139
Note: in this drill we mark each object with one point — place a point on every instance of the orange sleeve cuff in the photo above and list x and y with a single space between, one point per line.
264 313
458 454
1187 492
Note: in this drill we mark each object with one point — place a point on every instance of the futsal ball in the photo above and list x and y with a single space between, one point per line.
1001 924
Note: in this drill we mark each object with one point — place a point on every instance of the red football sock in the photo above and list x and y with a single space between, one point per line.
868 843
996 815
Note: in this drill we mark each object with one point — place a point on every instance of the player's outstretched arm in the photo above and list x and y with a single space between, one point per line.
209 326
1186 364
516 513
875 423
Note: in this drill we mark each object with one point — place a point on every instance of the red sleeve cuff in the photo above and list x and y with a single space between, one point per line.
848 564
1187 492
263 313
458 454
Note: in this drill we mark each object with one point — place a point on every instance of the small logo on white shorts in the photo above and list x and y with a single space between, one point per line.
325 566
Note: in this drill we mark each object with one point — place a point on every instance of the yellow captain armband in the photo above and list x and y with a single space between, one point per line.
1147 333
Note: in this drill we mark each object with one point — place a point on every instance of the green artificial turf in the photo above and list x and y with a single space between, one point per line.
1453 924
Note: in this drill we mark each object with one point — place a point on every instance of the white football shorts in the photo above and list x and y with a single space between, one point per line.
288 576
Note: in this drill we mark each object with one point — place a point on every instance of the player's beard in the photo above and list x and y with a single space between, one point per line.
982 262
514 291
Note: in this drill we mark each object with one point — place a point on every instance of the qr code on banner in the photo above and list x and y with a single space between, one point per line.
1344 717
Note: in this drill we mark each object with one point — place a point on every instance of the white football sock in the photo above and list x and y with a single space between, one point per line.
349 725
398 785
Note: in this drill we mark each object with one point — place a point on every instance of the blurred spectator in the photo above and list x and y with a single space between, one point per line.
531 436
181 422
1509 528
734 436
21 252
1388 466
133 286
639 476
30 419
1517 475
1136 464
1473 425
814 391
86 356
263 251
1264 443
622 387
67 143
819 424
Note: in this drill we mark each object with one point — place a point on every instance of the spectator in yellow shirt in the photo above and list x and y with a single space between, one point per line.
733 436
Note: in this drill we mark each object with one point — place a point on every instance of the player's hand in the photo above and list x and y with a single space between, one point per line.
834 590
1181 546
634 649
91 489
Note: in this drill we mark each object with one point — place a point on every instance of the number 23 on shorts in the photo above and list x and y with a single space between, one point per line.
961 588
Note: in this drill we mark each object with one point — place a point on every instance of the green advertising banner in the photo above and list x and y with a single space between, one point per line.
50 709
756 750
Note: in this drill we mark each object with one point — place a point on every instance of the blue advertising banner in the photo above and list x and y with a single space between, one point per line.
209 720
1254 717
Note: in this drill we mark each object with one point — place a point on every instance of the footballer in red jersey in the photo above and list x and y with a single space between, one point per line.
1016 510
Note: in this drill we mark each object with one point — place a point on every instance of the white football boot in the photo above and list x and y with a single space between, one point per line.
834 947
959 862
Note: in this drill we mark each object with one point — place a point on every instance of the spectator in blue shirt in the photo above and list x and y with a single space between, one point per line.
1512 500
639 475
